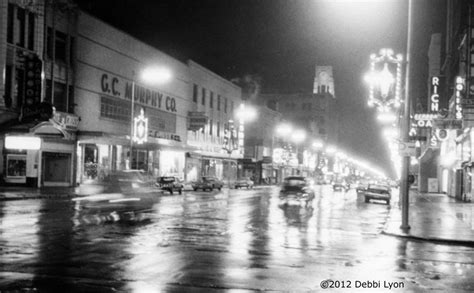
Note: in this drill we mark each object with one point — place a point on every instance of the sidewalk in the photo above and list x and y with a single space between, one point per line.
434 217
19 192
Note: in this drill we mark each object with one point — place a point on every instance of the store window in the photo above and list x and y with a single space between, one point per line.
16 166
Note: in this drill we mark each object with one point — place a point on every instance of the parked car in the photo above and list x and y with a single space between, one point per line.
245 182
340 186
170 184
207 183
296 190
378 192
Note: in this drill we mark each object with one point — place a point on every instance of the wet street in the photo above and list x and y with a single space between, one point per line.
220 241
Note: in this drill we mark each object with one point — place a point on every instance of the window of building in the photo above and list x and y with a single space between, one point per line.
10 23
115 109
72 42
225 105
49 43
70 102
231 106
31 31
58 97
218 102
211 100
195 93
60 46
210 126
8 86
218 130
21 17
203 97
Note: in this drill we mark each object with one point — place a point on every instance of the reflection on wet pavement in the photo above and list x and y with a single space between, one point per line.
214 241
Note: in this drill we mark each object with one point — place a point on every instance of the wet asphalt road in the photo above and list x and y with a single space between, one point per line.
227 241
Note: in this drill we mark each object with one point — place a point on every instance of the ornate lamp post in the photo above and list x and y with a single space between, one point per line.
139 124
384 87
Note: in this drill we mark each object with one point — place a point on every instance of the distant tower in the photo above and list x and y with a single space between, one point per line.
324 81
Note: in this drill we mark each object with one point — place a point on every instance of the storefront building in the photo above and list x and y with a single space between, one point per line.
212 126
37 121
90 77
111 92
261 160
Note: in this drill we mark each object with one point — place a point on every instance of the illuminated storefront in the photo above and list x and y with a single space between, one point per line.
41 155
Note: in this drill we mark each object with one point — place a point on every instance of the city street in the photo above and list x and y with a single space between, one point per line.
229 240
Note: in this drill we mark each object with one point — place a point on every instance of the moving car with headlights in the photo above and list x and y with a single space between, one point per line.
170 184
130 182
244 182
378 192
296 190
207 183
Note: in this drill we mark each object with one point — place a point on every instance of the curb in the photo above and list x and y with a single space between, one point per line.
436 240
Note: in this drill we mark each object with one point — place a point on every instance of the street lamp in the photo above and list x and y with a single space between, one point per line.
244 113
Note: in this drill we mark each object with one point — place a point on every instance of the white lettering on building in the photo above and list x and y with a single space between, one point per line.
434 96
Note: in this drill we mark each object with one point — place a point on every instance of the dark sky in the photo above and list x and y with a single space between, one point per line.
283 40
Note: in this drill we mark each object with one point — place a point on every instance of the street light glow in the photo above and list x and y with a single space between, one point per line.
156 75
317 144
283 129
298 136
245 113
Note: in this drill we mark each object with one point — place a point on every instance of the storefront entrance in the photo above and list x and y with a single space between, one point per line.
139 159
56 169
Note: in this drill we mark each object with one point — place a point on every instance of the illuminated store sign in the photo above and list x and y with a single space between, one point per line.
434 89
22 143
425 120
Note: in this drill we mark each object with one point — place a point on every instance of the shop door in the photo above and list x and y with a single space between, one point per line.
56 169
139 160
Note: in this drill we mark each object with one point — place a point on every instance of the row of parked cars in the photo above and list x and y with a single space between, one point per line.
171 184
127 180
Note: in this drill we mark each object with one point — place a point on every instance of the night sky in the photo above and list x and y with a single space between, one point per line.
282 40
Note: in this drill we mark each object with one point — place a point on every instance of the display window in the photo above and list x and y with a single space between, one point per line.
16 166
